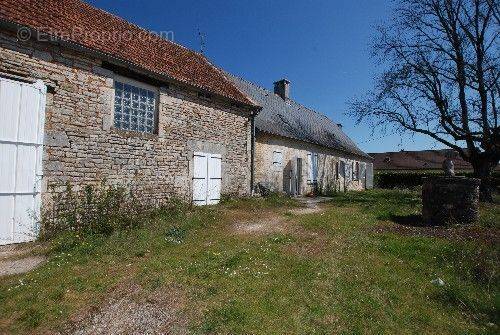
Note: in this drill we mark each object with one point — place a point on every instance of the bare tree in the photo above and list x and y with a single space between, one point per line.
442 78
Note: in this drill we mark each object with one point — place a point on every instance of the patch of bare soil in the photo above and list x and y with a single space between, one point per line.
306 210
463 233
131 310
310 205
261 225
20 258
266 222
18 266
269 221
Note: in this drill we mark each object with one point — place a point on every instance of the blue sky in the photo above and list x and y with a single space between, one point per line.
322 47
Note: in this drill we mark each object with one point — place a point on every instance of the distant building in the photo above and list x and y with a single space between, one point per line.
416 160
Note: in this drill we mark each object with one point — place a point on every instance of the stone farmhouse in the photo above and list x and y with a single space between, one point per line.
138 111
300 151
87 97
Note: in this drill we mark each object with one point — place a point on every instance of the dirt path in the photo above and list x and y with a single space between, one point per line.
17 259
268 222
310 205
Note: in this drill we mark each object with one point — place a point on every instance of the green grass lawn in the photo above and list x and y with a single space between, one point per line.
359 266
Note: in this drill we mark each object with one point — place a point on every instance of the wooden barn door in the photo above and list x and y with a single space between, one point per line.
22 111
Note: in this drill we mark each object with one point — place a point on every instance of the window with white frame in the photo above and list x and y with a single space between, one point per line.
135 106
277 160
312 163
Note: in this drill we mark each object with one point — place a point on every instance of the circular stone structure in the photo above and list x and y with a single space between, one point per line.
450 200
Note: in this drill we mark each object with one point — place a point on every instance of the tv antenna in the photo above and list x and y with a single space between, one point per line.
202 41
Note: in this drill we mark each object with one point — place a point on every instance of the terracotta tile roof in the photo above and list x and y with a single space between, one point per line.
416 160
78 22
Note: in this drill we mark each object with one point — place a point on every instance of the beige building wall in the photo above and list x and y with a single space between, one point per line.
268 172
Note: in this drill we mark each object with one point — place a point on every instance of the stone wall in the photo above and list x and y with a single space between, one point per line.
450 200
82 147
291 149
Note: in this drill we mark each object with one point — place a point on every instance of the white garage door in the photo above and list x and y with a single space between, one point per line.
22 111
207 178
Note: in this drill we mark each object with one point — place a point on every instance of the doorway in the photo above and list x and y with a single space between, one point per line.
298 177
22 107
207 178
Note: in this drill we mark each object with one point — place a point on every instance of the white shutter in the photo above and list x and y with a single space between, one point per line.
309 169
200 181
315 167
363 174
214 179
312 167
369 176
207 178
22 108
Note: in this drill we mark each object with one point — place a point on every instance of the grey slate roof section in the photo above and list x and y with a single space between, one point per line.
291 119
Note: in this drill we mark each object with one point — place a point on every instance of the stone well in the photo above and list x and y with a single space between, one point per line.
450 200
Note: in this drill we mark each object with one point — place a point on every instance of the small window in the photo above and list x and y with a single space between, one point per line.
277 160
337 170
135 108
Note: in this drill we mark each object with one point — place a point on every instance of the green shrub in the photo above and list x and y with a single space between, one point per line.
414 179
95 210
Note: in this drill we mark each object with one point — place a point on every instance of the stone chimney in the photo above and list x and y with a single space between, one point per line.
282 88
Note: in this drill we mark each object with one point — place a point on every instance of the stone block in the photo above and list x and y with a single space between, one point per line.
56 139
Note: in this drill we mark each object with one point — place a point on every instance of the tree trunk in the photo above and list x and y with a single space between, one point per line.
483 169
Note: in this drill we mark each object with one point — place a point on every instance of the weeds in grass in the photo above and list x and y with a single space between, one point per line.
175 234
95 210
101 210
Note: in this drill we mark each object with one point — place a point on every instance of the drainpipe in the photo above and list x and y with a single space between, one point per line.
252 154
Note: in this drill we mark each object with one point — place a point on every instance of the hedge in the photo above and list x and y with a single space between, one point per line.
413 179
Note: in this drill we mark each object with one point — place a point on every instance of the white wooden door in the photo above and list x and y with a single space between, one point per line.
207 178
22 112
214 179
